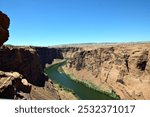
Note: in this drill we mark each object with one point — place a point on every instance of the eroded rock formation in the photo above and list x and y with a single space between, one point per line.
122 68
26 62
14 86
4 25
47 55
23 60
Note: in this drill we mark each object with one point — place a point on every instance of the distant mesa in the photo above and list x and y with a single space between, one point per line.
4 25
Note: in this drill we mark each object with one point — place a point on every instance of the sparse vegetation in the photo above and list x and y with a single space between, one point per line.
60 87
85 83
92 86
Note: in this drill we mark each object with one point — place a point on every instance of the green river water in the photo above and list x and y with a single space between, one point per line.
82 91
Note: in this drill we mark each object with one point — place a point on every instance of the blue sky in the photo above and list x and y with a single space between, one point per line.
54 22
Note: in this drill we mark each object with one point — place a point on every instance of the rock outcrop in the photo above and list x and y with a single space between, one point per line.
122 68
24 61
14 86
4 25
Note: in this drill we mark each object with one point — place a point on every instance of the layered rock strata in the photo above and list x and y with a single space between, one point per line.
124 69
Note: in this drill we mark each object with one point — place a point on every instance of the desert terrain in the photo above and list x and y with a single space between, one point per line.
123 68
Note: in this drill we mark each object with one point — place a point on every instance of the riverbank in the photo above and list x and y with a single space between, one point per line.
89 84
64 93
83 90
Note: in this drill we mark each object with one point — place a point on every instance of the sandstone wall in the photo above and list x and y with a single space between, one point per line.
122 68
47 55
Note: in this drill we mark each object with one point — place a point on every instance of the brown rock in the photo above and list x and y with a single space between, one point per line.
123 68
29 81
11 86
24 82
4 25
23 60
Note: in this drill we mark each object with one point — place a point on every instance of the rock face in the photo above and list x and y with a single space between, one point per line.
4 25
47 55
122 68
24 61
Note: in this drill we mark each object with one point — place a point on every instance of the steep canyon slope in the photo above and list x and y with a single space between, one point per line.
24 61
123 68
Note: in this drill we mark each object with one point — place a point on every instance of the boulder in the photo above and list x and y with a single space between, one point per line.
11 86
4 25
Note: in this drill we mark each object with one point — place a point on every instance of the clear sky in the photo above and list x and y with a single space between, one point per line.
53 22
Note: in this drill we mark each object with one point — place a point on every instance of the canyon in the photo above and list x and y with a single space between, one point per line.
120 68
26 62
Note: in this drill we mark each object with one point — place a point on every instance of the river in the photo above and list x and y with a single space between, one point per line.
82 91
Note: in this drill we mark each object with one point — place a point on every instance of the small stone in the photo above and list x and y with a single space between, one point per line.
25 82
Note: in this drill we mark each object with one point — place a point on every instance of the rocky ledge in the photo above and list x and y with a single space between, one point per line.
19 65
14 86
